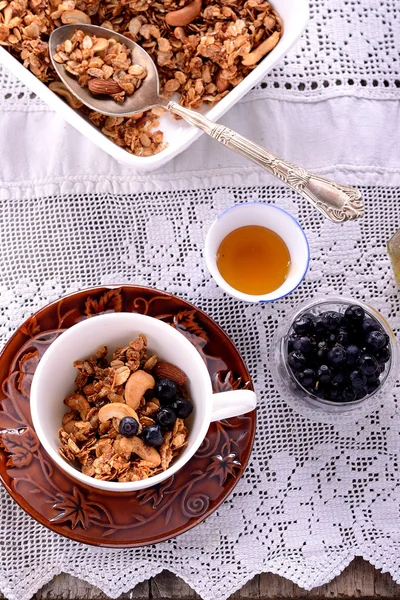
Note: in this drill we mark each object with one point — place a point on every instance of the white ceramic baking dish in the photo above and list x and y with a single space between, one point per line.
178 134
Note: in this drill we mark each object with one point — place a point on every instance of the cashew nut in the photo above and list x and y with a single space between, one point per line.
70 426
134 444
184 16
68 422
221 83
79 403
32 31
59 88
100 45
116 410
136 386
75 17
261 50
180 34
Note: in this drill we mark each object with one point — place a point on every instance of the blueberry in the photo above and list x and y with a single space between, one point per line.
372 386
375 341
331 339
306 377
322 349
354 314
165 390
333 320
182 407
128 427
361 393
367 364
319 325
334 394
304 324
373 376
336 355
320 391
357 379
343 337
305 345
352 354
296 361
291 340
166 417
324 374
383 356
348 394
381 368
369 325
338 379
152 435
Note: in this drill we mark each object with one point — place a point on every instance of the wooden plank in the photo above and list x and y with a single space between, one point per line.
249 591
274 586
385 587
66 587
359 580
356 581
168 585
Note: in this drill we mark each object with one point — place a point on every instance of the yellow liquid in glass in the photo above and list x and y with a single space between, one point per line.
253 259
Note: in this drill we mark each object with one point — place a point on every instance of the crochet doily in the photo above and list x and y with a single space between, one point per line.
314 494
348 48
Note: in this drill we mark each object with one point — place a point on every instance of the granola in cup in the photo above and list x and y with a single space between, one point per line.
54 380
202 50
127 415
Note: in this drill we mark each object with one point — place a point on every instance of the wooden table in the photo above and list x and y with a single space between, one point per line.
359 580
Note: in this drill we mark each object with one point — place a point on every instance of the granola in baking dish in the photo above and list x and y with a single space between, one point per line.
202 49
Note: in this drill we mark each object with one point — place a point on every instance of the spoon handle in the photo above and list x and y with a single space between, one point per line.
335 201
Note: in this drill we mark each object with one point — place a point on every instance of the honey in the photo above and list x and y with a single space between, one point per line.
253 260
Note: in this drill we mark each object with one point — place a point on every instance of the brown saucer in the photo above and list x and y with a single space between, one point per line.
130 519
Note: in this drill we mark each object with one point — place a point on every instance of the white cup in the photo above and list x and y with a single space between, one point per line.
274 218
55 375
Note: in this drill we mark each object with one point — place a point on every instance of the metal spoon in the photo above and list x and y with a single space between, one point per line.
335 201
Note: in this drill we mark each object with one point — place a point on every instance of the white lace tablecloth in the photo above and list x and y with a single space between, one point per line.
314 494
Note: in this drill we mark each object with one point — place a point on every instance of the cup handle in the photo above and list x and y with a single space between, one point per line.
232 403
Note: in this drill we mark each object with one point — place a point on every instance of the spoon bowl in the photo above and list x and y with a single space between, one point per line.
146 97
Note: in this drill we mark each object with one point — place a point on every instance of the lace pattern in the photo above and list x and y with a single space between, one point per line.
314 494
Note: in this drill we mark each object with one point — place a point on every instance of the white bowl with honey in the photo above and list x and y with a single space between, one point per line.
257 252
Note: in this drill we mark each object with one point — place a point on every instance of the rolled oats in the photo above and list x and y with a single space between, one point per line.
102 66
200 58
92 435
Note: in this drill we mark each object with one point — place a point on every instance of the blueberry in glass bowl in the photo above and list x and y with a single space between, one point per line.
334 354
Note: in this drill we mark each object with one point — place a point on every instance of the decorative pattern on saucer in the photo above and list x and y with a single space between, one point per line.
133 518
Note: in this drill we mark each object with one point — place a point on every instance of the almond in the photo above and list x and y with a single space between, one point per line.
75 17
164 370
104 86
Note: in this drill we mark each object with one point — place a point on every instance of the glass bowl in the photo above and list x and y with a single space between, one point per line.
307 402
